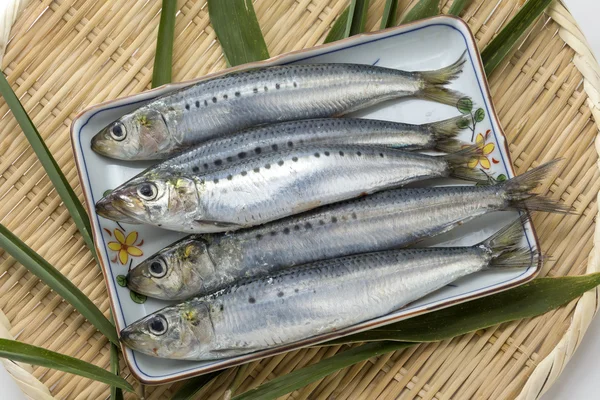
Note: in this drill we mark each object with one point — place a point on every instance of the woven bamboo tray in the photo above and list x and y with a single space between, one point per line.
66 55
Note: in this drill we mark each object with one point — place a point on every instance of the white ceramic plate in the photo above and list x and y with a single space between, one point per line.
424 45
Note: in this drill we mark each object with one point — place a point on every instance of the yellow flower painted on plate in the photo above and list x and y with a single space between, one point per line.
125 246
484 149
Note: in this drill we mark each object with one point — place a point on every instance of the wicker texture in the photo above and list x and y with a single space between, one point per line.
66 55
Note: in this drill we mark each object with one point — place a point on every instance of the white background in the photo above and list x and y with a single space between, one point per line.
581 379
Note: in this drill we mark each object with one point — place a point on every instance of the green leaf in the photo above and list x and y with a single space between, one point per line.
121 280
526 301
237 29
29 354
423 9
337 30
501 45
465 105
60 183
304 376
529 300
457 6
163 60
137 298
357 17
388 18
57 282
479 115
115 392
191 387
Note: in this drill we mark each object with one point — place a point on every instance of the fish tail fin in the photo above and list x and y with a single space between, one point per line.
434 82
506 249
444 133
457 165
520 196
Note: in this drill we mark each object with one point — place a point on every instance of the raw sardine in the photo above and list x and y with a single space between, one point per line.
212 154
265 187
229 103
314 299
200 264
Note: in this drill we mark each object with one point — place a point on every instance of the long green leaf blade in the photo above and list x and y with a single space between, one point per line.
191 387
339 26
529 300
29 354
357 17
57 282
57 178
237 29
302 377
502 44
457 7
115 392
163 60
423 9
389 14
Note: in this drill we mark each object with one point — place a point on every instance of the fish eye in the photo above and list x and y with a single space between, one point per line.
117 132
157 268
147 191
158 325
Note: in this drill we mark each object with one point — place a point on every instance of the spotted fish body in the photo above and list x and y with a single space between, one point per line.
313 299
212 154
229 103
265 187
200 264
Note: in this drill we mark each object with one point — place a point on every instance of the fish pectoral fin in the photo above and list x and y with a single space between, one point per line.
218 224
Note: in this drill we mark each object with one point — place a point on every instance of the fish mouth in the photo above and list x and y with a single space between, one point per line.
105 146
118 208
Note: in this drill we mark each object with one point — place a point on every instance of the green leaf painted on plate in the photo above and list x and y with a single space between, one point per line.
29 354
463 124
121 280
465 105
479 115
137 298
237 29
501 178
106 193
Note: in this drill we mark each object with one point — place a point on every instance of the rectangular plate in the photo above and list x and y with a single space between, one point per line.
424 45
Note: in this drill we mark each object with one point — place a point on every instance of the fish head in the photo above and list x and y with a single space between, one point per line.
140 135
168 202
181 332
177 272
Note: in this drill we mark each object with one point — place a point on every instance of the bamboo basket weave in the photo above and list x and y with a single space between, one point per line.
65 55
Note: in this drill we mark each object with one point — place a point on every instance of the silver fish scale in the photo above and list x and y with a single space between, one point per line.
358 131
381 221
240 100
278 184
329 295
